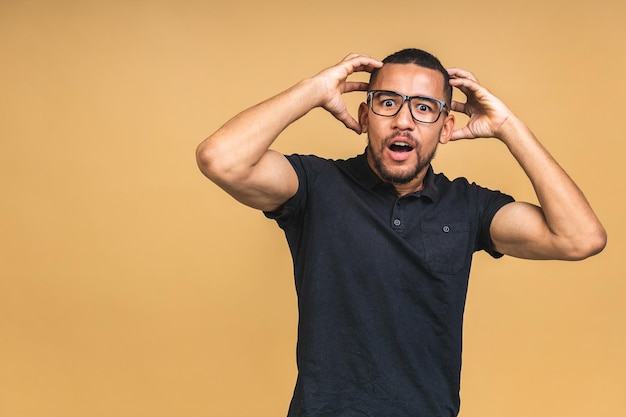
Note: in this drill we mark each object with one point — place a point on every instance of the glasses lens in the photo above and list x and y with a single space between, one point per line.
425 109
386 103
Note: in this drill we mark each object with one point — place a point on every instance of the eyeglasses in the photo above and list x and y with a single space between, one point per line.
388 103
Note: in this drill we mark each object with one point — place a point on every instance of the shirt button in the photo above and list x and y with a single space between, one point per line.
397 222
446 229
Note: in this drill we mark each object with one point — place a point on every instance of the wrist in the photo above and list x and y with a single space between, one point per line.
312 91
511 129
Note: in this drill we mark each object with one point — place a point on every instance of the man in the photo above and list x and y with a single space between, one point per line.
382 245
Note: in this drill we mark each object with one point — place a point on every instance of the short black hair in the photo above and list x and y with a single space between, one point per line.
420 58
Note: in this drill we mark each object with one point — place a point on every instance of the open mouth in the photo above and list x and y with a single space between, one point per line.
400 146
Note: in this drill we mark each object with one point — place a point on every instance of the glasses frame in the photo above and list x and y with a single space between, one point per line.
442 104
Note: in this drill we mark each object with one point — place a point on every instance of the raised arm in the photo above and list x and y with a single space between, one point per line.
564 226
237 156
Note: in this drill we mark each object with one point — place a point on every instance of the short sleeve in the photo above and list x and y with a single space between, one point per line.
490 202
286 214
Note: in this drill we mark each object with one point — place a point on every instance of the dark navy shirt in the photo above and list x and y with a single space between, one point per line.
381 283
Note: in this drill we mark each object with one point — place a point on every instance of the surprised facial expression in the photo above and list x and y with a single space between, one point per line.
400 148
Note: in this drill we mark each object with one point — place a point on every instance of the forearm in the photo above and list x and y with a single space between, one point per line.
574 229
563 226
237 147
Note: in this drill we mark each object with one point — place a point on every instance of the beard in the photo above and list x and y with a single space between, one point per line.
403 177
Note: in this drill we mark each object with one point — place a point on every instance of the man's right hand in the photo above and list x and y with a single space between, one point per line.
335 81
238 158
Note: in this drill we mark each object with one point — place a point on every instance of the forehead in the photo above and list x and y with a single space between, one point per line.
410 80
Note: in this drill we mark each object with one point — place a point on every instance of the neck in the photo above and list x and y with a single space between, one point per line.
404 183
414 185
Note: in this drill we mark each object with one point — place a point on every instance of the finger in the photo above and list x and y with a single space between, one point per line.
463 133
348 121
461 73
459 107
463 81
351 55
352 124
466 85
351 86
361 63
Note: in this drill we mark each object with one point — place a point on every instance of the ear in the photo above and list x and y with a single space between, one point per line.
363 117
447 129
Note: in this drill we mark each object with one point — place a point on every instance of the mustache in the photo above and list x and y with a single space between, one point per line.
404 136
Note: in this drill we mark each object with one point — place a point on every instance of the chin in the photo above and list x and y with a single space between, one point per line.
397 175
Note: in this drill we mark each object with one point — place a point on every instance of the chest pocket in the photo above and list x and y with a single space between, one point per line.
446 246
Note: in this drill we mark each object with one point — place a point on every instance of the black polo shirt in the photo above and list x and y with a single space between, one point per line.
381 283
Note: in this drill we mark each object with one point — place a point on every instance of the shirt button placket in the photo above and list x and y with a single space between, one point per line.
396 216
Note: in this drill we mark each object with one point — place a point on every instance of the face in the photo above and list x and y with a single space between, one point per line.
400 149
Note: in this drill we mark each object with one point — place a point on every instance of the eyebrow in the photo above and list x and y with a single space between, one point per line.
415 96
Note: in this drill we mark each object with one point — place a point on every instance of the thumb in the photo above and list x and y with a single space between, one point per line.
463 133
344 117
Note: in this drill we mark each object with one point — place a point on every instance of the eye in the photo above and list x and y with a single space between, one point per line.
423 108
388 103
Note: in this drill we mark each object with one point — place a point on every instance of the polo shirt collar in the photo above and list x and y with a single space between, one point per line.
360 170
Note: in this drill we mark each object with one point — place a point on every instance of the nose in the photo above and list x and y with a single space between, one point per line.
404 119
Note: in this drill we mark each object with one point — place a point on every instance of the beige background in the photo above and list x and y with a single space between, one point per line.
132 286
